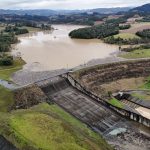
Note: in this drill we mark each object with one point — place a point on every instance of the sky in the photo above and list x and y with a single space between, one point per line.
68 4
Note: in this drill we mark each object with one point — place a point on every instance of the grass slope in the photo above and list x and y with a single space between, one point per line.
45 127
48 127
6 99
126 36
116 103
143 53
144 96
7 71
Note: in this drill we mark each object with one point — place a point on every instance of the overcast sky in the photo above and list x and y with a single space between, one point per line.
68 4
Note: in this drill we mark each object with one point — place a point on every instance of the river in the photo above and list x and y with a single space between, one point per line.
51 50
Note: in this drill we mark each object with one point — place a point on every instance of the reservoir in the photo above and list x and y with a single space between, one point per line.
51 50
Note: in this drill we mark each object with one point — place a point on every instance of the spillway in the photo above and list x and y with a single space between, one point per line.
6 145
81 106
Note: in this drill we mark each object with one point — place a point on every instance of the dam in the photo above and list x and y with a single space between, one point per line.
121 130
80 105
117 130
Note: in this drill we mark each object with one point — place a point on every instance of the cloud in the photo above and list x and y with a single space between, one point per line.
67 4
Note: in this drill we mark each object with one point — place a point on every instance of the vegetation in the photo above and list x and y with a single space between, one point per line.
117 21
6 60
124 27
6 99
144 96
80 18
7 71
130 49
16 30
100 31
147 84
145 19
126 36
144 34
35 20
126 39
6 40
140 53
49 127
116 103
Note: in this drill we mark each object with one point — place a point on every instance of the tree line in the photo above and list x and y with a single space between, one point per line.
99 31
16 30
6 39
144 34
121 41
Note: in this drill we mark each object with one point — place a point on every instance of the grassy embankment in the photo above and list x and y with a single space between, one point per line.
145 95
140 53
126 36
116 103
6 99
7 71
48 127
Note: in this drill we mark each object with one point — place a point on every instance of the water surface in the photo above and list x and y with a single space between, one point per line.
52 50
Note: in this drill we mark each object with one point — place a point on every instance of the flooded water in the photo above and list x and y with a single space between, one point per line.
55 49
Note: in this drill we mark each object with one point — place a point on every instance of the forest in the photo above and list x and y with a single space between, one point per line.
99 31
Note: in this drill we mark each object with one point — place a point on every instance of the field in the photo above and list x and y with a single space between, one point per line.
2 26
6 99
6 72
31 29
49 127
126 36
123 84
137 27
142 53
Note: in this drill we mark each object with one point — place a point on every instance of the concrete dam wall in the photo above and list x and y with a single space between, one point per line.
83 107
117 130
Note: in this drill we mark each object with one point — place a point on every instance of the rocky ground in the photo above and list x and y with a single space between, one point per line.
27 75
132 139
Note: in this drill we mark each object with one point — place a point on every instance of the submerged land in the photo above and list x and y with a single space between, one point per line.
53 97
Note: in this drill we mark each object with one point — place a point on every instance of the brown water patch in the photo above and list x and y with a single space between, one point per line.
55 49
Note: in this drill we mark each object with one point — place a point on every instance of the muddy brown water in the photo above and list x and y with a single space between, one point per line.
52 50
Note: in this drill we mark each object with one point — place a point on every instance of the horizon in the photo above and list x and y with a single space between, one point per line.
67 4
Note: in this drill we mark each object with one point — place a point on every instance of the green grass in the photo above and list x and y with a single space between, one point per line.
146 85
126 36
31 29
116 103
48 127
6 99
143 96
143 53
6 72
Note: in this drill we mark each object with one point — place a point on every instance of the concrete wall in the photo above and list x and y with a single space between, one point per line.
126 113
111 72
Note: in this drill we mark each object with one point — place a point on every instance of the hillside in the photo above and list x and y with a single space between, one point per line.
49 12
111 10
143 8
